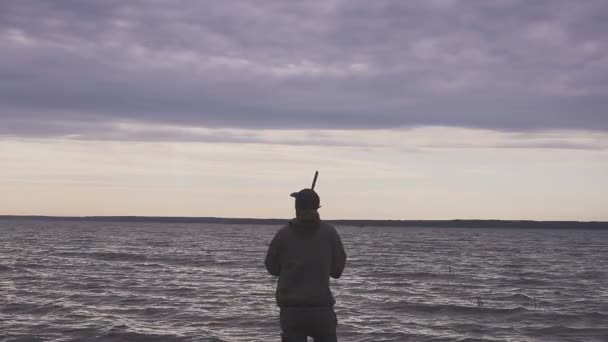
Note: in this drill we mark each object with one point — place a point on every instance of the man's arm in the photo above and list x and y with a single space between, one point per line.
338 256
273 261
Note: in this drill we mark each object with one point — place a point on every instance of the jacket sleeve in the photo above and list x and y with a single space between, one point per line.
338 256
273 257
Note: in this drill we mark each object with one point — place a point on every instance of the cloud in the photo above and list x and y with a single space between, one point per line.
542 144
409 140
80 67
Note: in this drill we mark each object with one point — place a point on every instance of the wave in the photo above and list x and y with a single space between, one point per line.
450 309
105 256
571 317
517 297
560 330
590 275
530 281
34 308
136 337
472 339
30 267
192 261
25 339
124 334
397 284
410 275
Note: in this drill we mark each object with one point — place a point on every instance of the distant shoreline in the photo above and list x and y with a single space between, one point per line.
515 224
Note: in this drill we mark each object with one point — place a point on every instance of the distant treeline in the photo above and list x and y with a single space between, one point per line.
361 223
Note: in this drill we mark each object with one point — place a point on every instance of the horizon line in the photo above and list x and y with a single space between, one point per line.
470 223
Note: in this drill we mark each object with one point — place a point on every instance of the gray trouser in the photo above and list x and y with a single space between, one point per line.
299 322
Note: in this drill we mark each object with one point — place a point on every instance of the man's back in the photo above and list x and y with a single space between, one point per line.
304 254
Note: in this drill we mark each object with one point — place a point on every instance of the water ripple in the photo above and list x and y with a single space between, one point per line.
196 282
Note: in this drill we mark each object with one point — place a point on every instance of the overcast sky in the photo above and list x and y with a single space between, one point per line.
409 109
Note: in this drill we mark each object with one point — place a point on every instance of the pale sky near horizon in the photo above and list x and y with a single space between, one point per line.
409 109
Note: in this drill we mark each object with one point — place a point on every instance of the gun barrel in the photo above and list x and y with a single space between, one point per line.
314 181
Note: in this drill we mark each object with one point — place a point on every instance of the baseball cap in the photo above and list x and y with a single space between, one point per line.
306 199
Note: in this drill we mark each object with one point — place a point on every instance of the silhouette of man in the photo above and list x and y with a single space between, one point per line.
304 254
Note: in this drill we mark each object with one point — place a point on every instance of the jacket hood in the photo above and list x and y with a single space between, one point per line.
306 221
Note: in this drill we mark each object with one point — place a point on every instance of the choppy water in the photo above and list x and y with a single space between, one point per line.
194 282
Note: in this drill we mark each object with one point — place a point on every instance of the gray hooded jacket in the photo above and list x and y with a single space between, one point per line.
304 254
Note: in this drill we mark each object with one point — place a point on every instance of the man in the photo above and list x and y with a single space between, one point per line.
304 254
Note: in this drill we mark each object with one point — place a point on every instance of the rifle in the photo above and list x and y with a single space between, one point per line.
314 180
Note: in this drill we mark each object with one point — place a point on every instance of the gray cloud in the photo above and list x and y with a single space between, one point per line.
534 144
105 131
74 66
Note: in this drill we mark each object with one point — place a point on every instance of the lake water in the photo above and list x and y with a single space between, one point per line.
93 281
